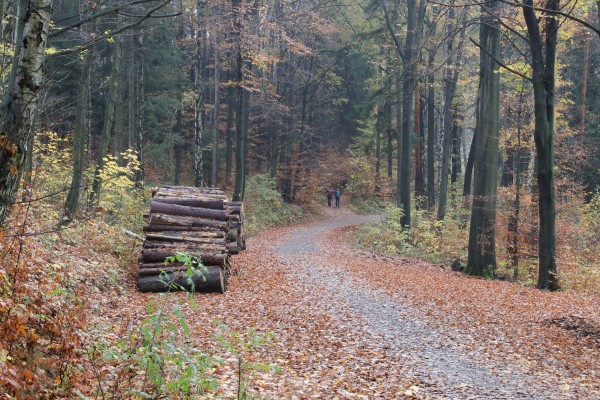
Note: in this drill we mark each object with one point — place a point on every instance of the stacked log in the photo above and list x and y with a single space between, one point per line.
191 220
235 232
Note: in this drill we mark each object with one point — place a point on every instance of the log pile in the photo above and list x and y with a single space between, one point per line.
235 233
197 221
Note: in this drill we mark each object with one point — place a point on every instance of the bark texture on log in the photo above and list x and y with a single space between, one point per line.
213 281
175 209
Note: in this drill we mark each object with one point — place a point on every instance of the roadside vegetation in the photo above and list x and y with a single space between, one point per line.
446 242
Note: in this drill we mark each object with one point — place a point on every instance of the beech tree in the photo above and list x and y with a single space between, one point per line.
543 65
482 233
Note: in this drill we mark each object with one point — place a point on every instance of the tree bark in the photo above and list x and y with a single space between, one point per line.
79 136
431 135
543 80
213 281
20 99
379 126
176 209
236 6
131 104
455 157
216 114
419 170
139 109
414 24
482 234
390 139
449 89
469 167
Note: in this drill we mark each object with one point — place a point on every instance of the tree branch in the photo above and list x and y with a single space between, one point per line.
114 10
506 67
107 35
392 31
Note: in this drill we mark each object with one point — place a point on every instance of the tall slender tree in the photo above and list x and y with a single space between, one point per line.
482 234
79 136
543 64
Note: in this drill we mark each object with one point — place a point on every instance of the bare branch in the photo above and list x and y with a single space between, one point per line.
392 31
114 10
506 67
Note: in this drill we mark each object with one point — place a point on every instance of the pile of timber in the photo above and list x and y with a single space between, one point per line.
235 232
197 221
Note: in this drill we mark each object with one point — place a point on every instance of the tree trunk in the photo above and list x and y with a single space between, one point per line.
239 102
109 121
120 140
390 139
198 99
211 281
514 219
414 21
216 114
20 99
79 136
469 167
379 126
419 170
431 136
230 135
139 109
456 139
449 89
482 234
543 80
131 106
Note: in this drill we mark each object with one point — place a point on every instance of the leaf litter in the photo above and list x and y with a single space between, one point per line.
351 324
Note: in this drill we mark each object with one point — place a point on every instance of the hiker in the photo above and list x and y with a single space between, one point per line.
329 196
338 194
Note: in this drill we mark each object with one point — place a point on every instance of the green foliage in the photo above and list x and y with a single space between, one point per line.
437 241
264 206
158 352
242 346
157 358
119 199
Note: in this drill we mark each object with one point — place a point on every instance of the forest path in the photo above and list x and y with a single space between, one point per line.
393 322
353 324
402 331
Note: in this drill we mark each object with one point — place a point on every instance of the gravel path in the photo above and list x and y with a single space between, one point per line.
447 367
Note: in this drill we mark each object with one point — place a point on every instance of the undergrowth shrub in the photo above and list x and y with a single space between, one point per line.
264 207
578 238
41 314
428 238
120 200
157 358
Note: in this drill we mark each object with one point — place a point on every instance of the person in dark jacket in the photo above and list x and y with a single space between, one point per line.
330 193
338 194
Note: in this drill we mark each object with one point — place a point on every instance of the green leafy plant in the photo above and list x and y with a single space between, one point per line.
242 346
157 358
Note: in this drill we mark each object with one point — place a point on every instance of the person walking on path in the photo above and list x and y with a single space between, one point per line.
329 196
338 194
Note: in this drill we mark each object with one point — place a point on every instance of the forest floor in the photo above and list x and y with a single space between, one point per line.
354 324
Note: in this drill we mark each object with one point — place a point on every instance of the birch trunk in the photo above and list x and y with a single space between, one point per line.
20 101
